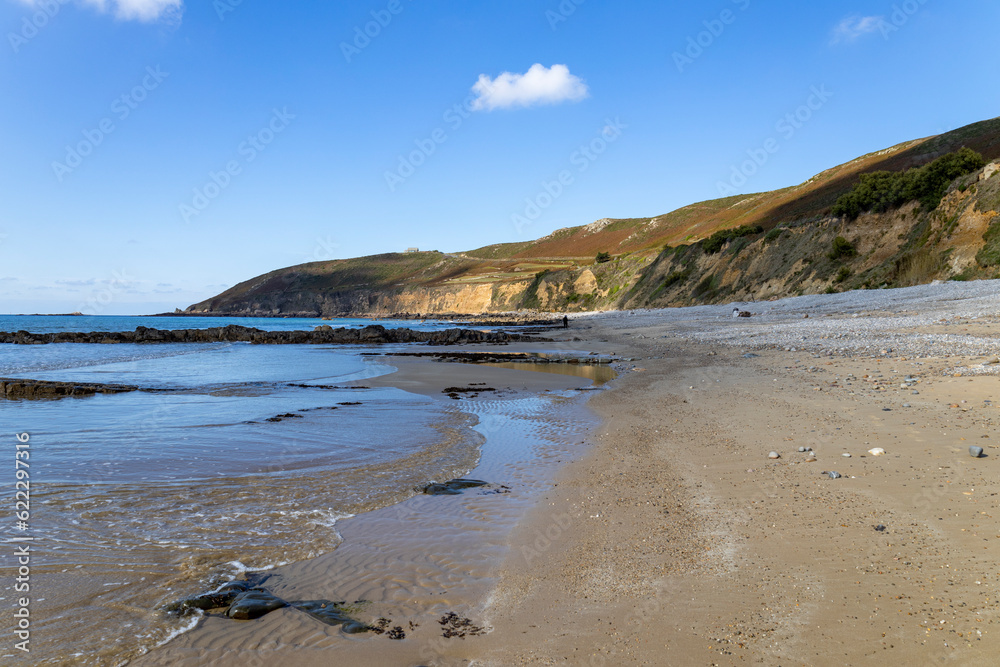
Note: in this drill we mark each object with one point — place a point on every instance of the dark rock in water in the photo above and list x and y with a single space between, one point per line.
331 613
278 418
496 490
456 626
370 335
254 603
216 600
14 388
453 488
472 392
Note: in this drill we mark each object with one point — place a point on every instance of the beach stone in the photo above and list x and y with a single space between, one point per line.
452 488
876 451
811 459
832 474
216 600
774 455
331 613
880 528
846 455
975 452
254 603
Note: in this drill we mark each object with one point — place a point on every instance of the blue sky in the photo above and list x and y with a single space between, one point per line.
155 152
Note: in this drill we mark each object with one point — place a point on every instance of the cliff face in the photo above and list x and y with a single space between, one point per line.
782 243
960 240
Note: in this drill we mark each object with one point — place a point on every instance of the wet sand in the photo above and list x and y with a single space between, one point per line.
416 561
668 537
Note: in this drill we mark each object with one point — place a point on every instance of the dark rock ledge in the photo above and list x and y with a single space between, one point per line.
15 388
323 335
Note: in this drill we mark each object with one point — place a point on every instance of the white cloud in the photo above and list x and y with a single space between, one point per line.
539 85
854 27
132 10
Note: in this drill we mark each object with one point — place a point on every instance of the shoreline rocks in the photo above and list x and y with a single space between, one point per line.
453 488
16 388
322 335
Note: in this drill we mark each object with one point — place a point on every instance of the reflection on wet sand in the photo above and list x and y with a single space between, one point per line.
600 374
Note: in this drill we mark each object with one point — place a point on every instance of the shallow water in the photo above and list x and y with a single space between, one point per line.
141 498
415 561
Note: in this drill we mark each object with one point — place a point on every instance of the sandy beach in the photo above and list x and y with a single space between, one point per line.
689 546
665 535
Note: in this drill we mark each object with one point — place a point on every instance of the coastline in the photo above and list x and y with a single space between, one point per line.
686 545
672 538
418 560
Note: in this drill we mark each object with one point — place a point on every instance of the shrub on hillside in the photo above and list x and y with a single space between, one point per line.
716 241
676 277
881 191
603 257
841 249
706 288
774 234
990 253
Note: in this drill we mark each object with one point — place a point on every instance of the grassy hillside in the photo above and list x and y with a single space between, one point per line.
776 244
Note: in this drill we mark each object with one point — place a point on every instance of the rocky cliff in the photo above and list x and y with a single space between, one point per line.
739 248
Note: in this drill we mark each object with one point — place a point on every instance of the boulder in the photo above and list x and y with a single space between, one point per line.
254 603
452 488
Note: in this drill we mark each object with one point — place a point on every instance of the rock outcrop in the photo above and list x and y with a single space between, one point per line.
15 388
324 335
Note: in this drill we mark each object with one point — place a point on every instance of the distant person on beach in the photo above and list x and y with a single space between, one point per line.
565 322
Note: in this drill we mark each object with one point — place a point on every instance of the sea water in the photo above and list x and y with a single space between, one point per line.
233 457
